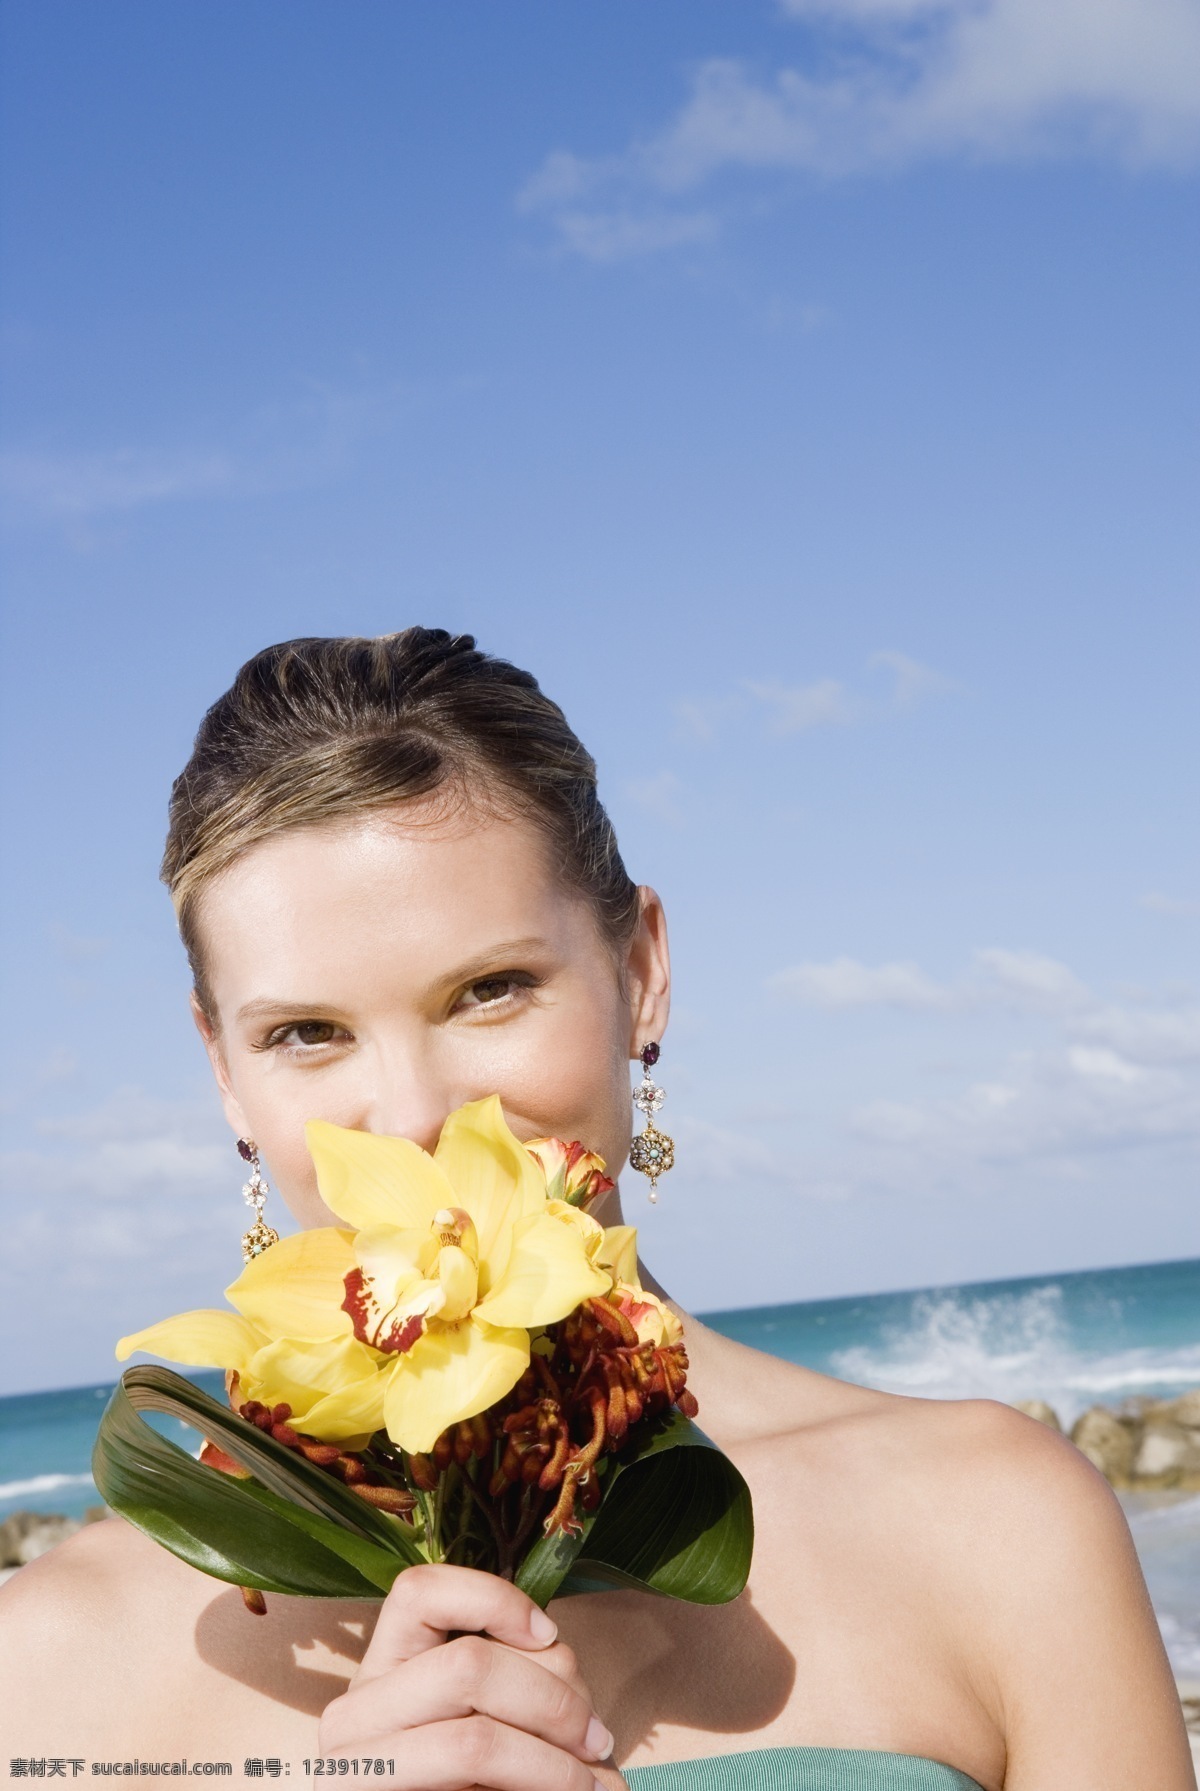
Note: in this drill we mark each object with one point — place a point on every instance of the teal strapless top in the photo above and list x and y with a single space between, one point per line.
801 1769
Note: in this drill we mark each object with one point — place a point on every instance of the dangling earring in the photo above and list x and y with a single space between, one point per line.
260 1237
651 1152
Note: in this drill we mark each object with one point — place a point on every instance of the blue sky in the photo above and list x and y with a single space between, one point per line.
807 393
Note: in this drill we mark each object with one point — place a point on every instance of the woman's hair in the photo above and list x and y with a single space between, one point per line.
321 730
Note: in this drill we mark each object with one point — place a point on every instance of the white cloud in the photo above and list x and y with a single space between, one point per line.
908 80
76 485
846 983
277 447
913 681
998 978
1172 905
131 1150
617 235
659 796
796 708
1111 1076
1095 1060
821 703
1025 979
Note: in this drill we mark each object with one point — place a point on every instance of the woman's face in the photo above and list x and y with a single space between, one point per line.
380 972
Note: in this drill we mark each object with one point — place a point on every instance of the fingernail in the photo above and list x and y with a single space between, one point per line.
543 1629
598 1741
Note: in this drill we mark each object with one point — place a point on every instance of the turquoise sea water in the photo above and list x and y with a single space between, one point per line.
1074 1340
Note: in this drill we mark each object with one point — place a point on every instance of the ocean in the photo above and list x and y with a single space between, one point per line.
1074 1340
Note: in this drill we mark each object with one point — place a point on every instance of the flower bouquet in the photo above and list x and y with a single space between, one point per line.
466 1370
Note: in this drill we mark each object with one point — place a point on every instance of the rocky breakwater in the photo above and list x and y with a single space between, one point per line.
24 1535
1143 1445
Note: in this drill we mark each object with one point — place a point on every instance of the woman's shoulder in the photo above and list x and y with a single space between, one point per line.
109 1616
994 1479
77 1621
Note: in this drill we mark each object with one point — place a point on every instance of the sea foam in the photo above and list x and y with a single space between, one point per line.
1011 1346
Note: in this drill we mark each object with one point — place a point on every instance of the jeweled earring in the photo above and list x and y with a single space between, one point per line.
652 1152
260 1237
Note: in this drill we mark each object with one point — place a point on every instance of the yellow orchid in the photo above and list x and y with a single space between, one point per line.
653 1322
418 1315
334 1388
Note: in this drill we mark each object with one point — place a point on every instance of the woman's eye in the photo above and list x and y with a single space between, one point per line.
303 1035
490 990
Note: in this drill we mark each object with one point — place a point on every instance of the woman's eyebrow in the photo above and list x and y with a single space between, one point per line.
267 1006
496 957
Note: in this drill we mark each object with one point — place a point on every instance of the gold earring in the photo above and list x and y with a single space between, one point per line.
652 1152
260 1237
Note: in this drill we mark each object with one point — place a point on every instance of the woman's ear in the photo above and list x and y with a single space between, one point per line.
220 1070
649 974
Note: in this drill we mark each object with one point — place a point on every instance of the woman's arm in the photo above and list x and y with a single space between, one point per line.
1085 1692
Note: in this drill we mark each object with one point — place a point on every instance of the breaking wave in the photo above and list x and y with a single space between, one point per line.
1011 1346
41 1483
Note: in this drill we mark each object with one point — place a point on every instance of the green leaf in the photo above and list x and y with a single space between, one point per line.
291 1529
675 1518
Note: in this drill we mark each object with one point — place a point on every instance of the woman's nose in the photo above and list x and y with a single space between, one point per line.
410 1101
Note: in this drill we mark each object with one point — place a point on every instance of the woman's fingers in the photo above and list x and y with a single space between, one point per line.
426 1603
469 1677
474 1753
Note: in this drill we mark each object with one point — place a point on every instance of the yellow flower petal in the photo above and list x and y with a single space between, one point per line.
205 1339
590 1231
335 1390
620 1253
494 1177
450 1374
295 1289
459 1281
394 1259
548 1274
397 1286
369 1180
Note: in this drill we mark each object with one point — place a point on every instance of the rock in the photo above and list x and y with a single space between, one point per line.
27 1534
94 1513
1168 1454
1135 1408
1037 1408
1161 1454
1184 1411
1106 1442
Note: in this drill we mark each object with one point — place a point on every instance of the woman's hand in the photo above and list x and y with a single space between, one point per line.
501 1708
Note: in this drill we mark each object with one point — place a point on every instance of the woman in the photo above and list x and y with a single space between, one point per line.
399 892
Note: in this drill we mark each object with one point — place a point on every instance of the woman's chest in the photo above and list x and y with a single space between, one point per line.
803 1658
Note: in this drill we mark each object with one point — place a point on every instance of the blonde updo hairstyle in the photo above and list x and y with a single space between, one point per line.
322 730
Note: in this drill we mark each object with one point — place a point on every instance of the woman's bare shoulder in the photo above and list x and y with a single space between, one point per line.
1010 1549
77 1623
108 1623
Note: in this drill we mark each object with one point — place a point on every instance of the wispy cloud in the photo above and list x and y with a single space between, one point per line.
900 81
845 983
277 447
660 796
997 977
1175 906
819 703
1114 1074
794 709
71 485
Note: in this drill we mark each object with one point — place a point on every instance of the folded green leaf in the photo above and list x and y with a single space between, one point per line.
291 1529
676 1518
